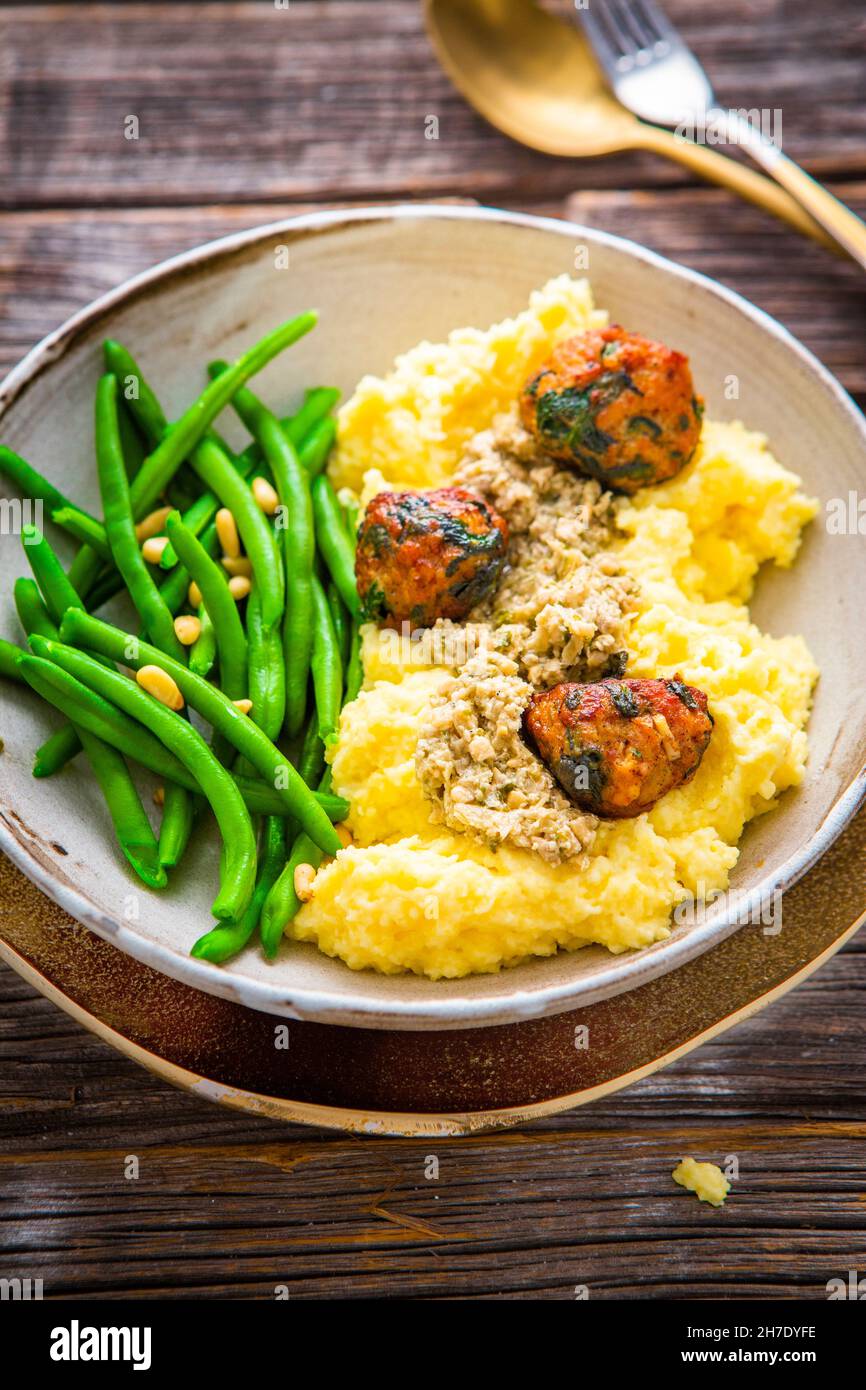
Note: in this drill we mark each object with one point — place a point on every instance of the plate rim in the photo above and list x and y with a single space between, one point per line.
626 971
398 1123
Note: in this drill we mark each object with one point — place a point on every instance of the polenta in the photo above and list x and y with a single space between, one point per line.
669 581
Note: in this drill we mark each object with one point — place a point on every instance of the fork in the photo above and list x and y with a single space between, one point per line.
655 74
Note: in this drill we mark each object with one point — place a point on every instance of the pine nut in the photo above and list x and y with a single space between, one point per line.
237 564
153 548
159 796
265 496
226 528
193 593
160 685
344 835
187 628
243 705
239 586
152 524
303 880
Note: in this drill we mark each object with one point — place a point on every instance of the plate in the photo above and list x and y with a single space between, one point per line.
383 279
430 1083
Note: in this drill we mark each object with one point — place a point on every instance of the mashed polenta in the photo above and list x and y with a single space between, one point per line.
410 893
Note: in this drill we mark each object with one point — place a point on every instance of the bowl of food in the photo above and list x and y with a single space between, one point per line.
525 678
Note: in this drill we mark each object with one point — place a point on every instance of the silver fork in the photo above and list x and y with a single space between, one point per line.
655 74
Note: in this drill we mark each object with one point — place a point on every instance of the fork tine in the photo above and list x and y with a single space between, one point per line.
655 21
628 23
605 37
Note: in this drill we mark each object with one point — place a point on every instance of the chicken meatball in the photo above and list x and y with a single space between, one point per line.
614 746
617 406
428 555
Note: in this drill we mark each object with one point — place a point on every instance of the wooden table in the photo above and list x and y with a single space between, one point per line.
247 113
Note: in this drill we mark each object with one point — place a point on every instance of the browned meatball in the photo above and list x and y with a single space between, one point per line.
616 746
616 406
428 555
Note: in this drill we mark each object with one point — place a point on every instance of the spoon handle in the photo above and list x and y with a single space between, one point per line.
842 224
721 169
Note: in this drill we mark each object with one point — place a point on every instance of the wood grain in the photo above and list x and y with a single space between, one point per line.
229 1207
245 102
246 115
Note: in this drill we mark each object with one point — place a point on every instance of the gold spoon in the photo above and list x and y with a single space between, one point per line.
533 77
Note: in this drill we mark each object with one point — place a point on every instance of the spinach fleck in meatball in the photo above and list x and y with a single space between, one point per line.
428 555
616 746
616 406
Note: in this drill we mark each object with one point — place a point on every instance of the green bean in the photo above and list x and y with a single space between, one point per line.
178 816
120 525
174 588
354 667
238 859
318 404
183 436
311 759
262 800
57 591
299 547
216 470
31 610
85 570
282 903
131 442
195 519
340 619
327 668
267 671
106 587
273 766
131 825
228 938
351 511
84 529
113 777
221 606
333 542
202 653
140 400
9 655
65 744
174 444
57 750
315 449
90 711
58 594
31 483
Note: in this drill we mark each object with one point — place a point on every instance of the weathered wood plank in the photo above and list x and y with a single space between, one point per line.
247 102
261 113
584 1198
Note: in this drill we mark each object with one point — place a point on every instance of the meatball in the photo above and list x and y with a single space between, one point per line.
428 555
617 406
615 746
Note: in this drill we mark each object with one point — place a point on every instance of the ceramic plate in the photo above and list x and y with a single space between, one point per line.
383 279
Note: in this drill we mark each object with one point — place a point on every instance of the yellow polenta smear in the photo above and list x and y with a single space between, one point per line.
706 1180
412 896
